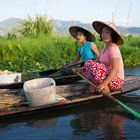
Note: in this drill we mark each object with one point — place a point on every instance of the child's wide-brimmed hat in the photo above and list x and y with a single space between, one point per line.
98 25
75 29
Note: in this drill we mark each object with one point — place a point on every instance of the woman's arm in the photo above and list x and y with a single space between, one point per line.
115 62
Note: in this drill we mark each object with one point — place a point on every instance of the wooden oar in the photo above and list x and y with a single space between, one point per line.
130 110
51 71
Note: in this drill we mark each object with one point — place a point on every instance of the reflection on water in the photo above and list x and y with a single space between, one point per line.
102 123
94 120
48 123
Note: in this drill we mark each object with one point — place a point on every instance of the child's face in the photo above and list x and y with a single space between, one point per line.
81 38
106 34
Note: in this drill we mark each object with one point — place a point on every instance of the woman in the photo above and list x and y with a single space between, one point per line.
108 72
87 49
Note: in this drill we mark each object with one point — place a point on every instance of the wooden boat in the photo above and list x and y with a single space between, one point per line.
60 80
74 94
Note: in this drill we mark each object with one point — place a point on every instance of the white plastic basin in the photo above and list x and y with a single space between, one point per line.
40 91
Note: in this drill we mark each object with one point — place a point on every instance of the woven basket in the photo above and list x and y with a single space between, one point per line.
9 100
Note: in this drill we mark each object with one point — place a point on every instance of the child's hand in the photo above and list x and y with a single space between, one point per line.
76 70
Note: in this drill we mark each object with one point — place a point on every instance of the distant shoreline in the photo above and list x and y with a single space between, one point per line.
61 26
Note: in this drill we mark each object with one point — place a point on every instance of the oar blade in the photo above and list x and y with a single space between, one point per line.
130 110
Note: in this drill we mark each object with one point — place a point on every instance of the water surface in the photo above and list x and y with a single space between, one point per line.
96 120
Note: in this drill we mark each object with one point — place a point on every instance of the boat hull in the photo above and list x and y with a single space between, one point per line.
74 94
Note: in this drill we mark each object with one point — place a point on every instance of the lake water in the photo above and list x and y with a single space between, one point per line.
100 120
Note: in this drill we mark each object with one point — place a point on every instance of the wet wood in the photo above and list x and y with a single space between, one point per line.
3 91
74 94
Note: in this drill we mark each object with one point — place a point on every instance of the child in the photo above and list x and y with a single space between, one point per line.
87 49
108 72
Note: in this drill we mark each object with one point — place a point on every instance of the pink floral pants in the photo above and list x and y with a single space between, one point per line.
97 72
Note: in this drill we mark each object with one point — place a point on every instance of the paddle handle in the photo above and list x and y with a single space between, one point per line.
105 94
72 65
51 71
130 110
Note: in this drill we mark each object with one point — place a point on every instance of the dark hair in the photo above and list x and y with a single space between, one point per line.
114 36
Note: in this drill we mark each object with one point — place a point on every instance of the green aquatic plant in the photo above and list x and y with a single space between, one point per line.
40 49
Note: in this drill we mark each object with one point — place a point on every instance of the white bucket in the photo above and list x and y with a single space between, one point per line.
10 78
40 91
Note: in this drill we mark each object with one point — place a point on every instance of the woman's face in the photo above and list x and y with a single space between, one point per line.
81 38
106 34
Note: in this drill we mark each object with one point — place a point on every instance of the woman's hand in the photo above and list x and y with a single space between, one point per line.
102 86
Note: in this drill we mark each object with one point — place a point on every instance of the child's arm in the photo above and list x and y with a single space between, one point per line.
95 50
